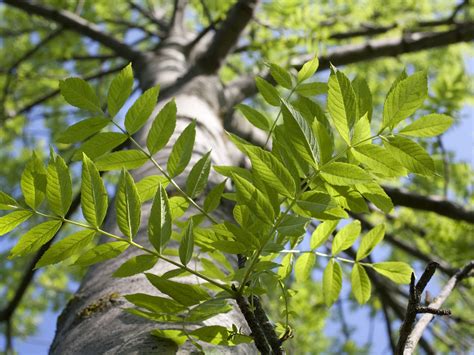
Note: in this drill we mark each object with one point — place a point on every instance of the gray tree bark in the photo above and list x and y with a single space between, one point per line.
109 329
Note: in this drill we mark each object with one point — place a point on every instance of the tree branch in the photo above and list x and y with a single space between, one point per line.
53 93
409 248
432 204
162 25
8 311
354 53
76 23
176 27
226 36
434 308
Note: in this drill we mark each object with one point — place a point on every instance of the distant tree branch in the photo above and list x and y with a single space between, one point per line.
226 36
409 335
13 68
78 24
388 295
176 26
55 92
354 53
407 247
440 206
30 271
162 25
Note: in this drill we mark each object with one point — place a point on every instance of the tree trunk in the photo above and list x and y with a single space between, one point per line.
94 321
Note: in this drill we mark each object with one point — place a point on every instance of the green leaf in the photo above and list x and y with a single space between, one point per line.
35 238
301 134
66 248
255 117
281 76
303 266
208 309
58 186
363 97
33 182
82 130
122 159
325 141
342 104
346 236
12 220
428 126
219 335
94 198
379 160
182 150
269 93
269 169
315 201
292 225
344 174
148 186
79 93
120 90
178 337
186 246
332 282
101 253
155 304
411 155
7 202
198 176
162 128
396 271
136 265
361 134
178 206
312 89
213 198
160 222
286 265
361 287
185 294
369 241
406 97
127 205
308 69
375 194
141 110
256 200
100 144
322 233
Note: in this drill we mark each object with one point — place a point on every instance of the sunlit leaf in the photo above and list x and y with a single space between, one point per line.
94 199
332 282
120 90
162 128
136 265
361 286
127 205
66 248
35 238
182 150
101 253
141 110
304 265
79 93
396 271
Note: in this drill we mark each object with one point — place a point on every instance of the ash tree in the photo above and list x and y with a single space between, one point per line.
217 171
